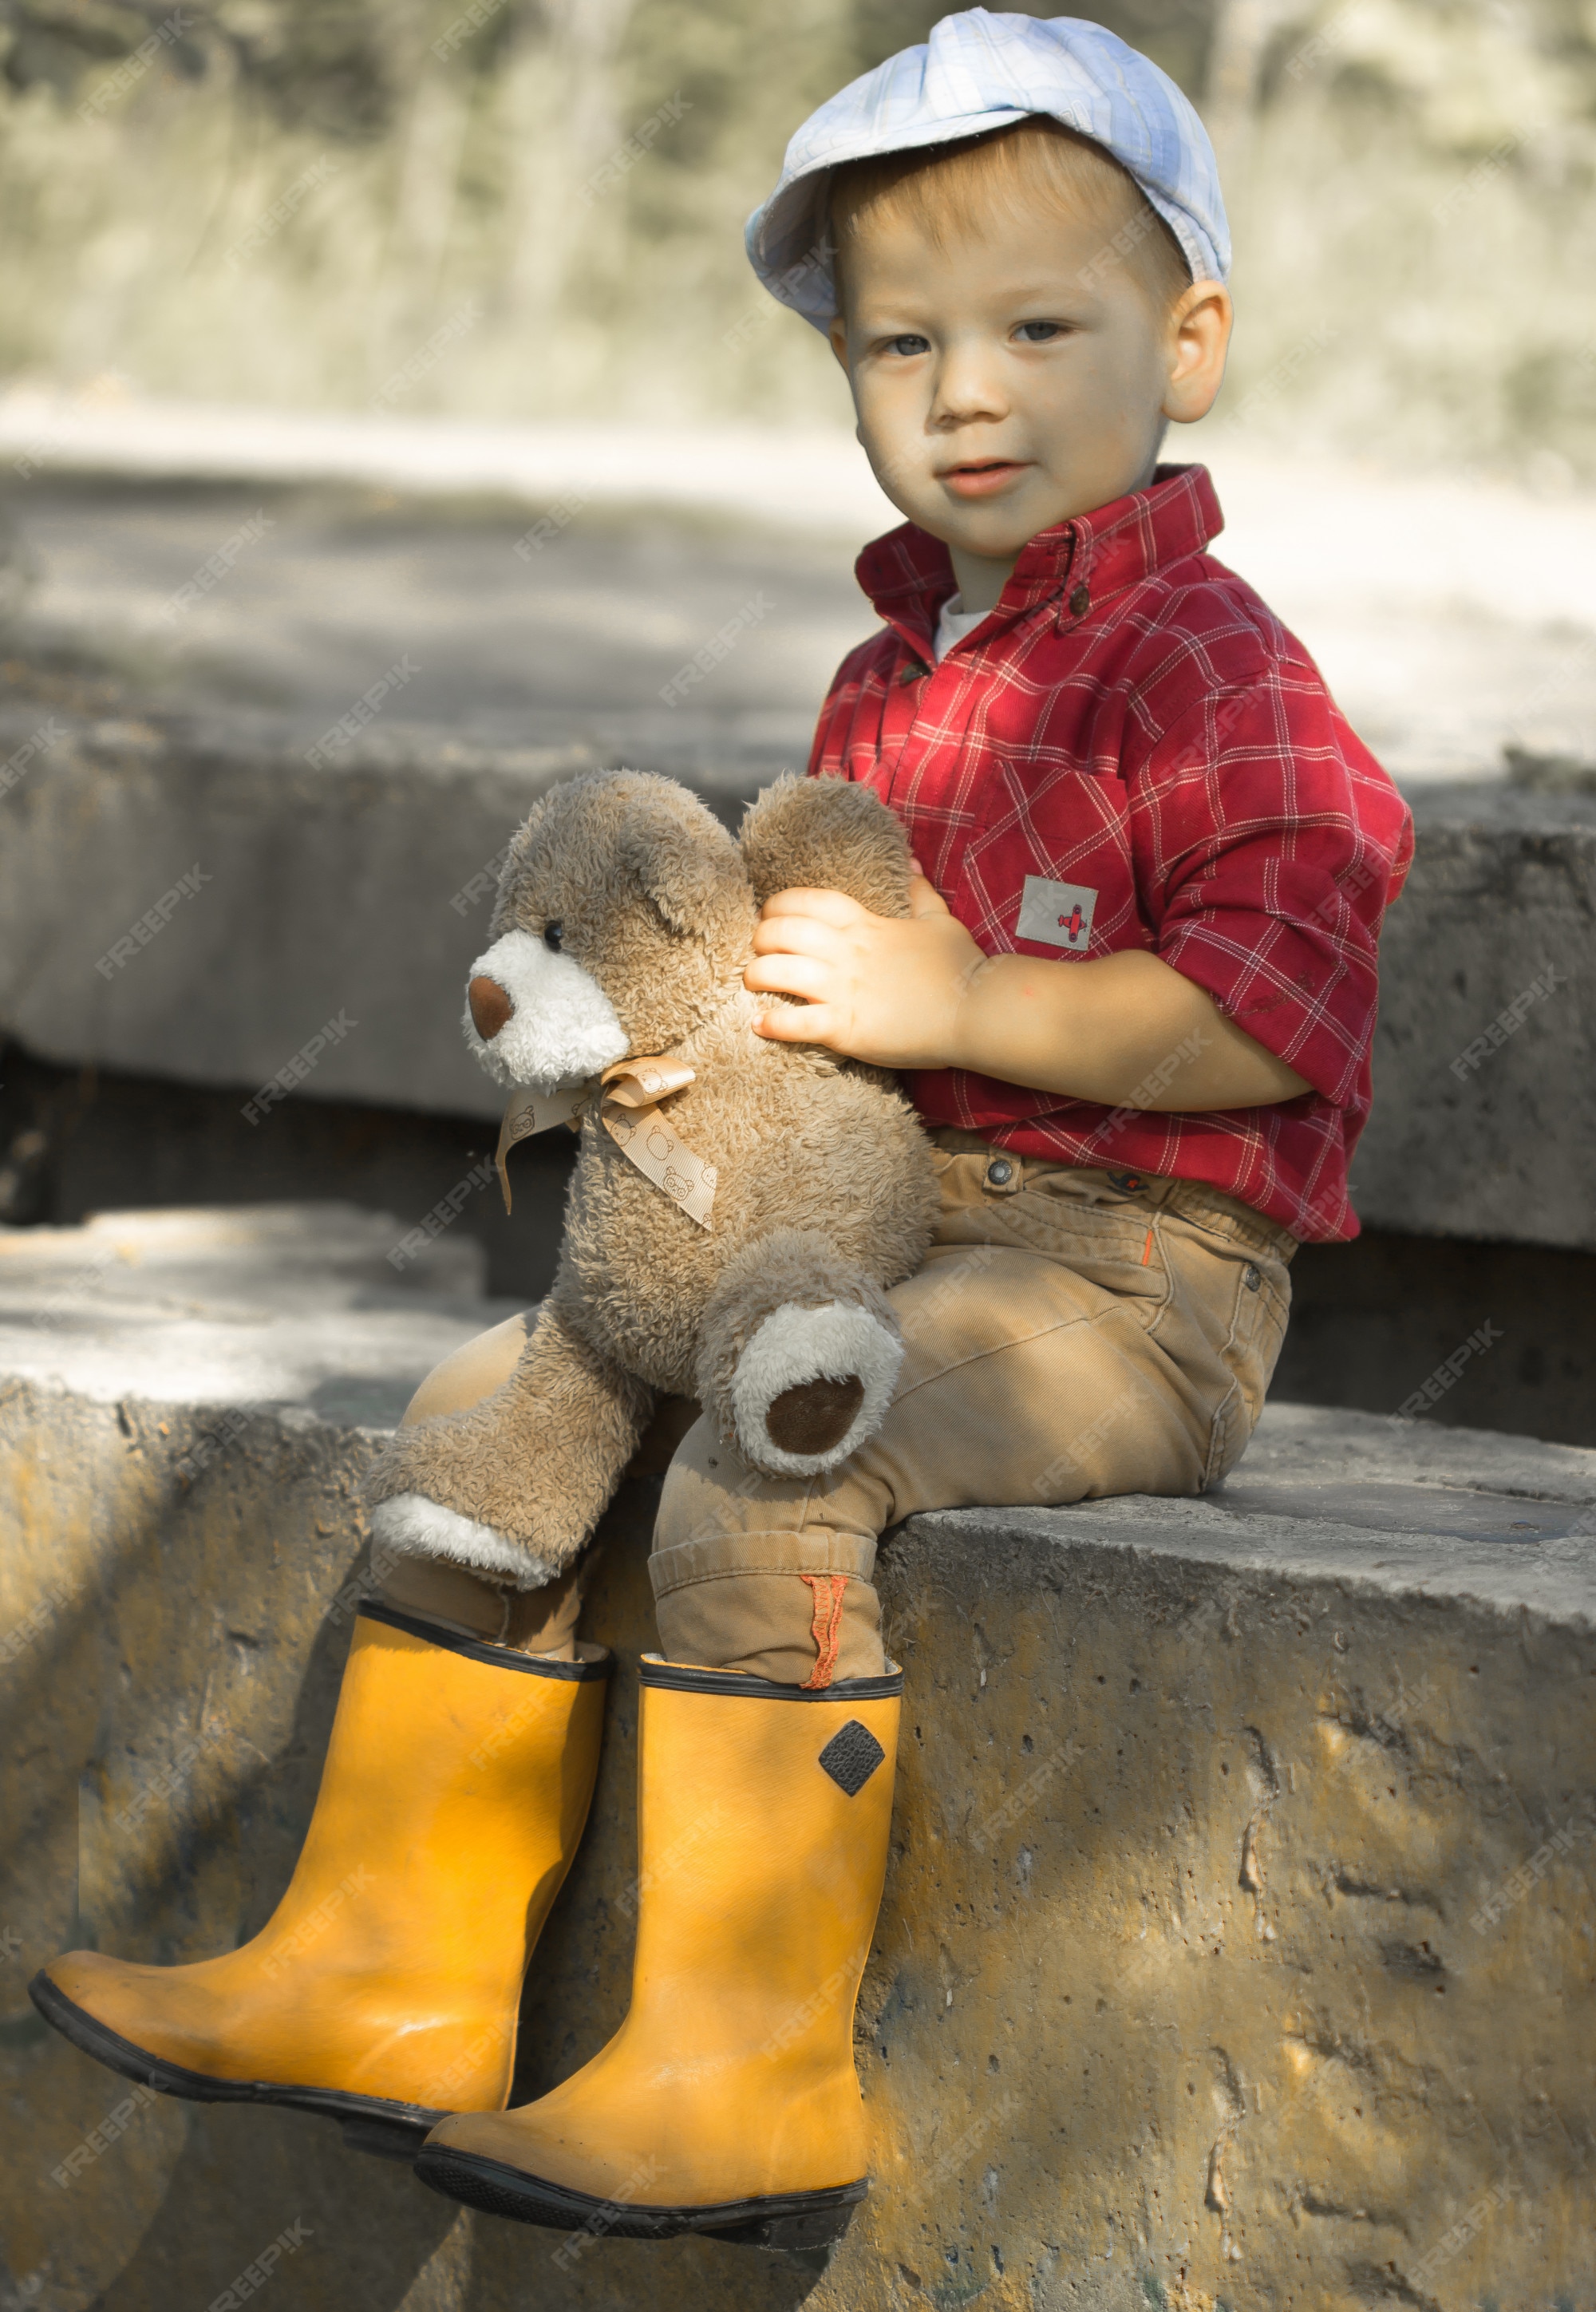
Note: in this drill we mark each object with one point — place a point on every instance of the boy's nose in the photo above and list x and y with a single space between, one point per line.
967 393
490 1006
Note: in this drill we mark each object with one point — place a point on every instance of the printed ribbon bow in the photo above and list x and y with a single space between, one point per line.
628 1094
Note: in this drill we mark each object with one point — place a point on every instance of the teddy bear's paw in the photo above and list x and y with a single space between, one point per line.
812 1385
410 1525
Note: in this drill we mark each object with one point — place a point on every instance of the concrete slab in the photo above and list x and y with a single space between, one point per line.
508 624
1235 1942
1485 1066
273 1306
342 903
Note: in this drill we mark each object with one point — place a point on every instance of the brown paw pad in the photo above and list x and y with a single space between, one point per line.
812 1416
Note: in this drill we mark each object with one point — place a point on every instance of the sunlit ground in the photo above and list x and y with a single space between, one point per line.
538 575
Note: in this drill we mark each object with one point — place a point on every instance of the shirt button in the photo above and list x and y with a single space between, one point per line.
912 671
1080 602
999 1172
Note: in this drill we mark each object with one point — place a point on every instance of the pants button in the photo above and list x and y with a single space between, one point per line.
1253 1280
999 1172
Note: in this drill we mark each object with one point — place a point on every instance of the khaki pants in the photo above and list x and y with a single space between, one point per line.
1073 1333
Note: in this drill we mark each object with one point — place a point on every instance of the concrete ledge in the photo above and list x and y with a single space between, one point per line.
1253 1865
358 894
1484 1087
1236 1939
313 896
297 1309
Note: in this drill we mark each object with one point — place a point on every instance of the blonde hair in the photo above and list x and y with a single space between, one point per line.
1034 164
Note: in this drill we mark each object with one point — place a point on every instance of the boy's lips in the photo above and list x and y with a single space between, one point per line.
982 477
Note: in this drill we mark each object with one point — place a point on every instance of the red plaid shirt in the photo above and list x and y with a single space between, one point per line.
1133 749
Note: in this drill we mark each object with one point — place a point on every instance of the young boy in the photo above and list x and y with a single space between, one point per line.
1135 1000
1137 992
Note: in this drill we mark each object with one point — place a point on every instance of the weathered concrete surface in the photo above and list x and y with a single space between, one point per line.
300 1307
320 896
395 528
1218 1936
356 893
1370 1321
1236 1936
507 617
1501 904
346 895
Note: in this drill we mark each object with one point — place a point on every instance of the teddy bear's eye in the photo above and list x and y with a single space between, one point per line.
554 936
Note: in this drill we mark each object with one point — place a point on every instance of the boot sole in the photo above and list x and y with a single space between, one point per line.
389 2130
787 2220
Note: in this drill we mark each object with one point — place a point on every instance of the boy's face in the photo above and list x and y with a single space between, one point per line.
1019 376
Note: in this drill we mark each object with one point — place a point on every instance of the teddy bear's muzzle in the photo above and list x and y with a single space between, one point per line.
534 1016
491 1006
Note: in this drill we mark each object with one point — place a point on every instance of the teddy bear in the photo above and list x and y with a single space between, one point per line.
739 1205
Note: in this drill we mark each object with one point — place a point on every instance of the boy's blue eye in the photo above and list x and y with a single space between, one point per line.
1051 328
913 344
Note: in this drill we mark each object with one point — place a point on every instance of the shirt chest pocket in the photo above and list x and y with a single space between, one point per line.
1051 873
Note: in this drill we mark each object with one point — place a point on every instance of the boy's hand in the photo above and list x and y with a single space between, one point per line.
875 987
1123 1030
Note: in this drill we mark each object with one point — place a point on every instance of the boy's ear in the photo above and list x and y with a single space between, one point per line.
838 334
1203 320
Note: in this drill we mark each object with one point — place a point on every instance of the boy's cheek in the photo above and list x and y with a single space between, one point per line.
889 438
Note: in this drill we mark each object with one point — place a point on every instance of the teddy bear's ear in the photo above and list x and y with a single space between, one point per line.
826 835
684 859
502 917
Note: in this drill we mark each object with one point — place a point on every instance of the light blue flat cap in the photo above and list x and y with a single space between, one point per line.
982 71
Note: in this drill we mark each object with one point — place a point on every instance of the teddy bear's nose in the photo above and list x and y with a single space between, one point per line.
490 1006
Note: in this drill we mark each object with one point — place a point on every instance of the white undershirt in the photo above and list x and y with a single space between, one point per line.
954 622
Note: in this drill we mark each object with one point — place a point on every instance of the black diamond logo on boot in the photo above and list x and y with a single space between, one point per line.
851 1756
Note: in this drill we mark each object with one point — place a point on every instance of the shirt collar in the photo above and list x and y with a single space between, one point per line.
908 575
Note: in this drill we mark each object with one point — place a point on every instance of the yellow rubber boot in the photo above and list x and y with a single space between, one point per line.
726 2103
384 1990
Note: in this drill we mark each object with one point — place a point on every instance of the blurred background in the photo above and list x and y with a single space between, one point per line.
408 349
495 251
286 200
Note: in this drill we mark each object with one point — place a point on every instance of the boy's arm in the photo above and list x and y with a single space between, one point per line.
1127 1030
